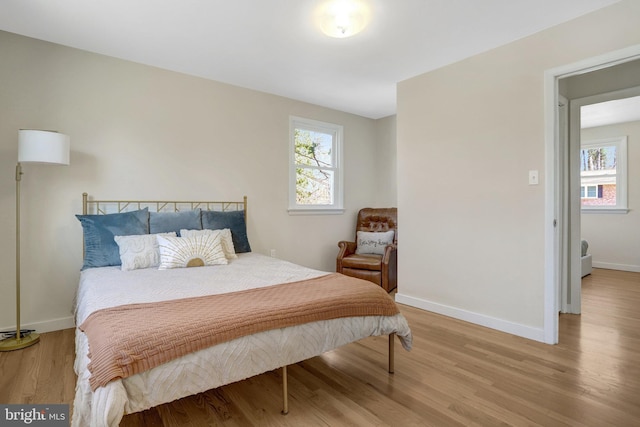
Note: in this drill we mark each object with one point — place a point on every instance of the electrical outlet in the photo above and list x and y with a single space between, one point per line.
272 253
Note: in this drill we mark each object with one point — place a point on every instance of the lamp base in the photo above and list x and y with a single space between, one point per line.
11 344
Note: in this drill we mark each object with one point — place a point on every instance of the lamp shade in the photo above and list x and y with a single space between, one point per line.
43 146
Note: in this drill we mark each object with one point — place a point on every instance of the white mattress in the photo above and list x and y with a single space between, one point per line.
215 366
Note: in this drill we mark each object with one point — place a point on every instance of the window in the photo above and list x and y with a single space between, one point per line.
315 181
591 191
603 175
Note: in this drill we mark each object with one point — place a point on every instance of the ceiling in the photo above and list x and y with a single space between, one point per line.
610 112
274 46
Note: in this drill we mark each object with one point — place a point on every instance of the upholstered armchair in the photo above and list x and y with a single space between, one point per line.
373 256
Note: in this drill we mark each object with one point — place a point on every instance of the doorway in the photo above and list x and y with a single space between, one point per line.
571 286
562 191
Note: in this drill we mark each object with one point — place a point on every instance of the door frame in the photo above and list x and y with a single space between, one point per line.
561 221
554 172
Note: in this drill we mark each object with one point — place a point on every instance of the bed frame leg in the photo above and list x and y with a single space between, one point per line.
392 337
285 394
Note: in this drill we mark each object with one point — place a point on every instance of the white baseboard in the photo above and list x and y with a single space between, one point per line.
536 334
612 266
46 326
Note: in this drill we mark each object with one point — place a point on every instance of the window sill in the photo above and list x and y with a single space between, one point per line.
604 211
315 211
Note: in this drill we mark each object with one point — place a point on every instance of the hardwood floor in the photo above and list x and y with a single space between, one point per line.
458 374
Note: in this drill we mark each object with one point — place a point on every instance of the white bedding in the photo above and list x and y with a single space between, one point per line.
215 366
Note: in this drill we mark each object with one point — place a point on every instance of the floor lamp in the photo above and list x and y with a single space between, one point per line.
34 146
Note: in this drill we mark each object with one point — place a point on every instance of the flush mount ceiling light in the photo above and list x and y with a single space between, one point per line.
343 18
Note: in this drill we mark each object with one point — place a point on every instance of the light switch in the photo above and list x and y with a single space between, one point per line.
533 177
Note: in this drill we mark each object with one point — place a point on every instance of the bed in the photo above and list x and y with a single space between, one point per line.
177 367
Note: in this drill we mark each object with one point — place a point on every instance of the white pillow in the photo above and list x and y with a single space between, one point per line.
197 251
225 235
139 251
373 242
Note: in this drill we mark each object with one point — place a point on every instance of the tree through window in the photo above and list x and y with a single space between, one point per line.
316 175
603 173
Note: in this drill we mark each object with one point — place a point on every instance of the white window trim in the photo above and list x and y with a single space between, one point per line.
338 206
621 174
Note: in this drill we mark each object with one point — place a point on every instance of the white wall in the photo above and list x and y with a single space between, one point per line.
468 134
386 163
141 132
613 238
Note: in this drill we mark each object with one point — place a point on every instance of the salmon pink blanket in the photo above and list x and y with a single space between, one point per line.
129 339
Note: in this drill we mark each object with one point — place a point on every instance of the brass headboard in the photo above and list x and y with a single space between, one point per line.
103 207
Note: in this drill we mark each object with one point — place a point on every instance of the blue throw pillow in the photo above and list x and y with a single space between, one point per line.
233 220
100 248
166 222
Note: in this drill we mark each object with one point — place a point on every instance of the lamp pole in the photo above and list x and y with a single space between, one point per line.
18 179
